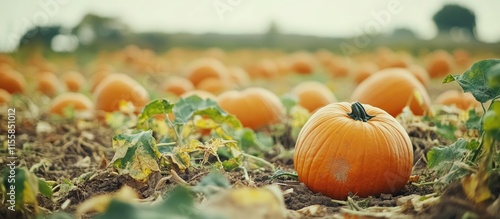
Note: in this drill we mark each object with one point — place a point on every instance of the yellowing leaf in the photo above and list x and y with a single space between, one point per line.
136 155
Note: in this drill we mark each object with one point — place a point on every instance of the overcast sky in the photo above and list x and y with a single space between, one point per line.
312 17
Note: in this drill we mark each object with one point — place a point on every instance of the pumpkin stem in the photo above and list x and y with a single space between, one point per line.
359 112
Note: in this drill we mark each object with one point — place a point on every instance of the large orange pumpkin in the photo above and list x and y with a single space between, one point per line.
353 148
460 99
391 90
119 87
255 107
313 95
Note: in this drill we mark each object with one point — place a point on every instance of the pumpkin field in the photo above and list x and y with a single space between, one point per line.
248 133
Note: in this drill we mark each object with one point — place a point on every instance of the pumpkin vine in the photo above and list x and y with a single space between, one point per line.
359 113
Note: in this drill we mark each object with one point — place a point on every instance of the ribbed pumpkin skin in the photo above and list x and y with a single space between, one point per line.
390 90
119 87
335 154
255 107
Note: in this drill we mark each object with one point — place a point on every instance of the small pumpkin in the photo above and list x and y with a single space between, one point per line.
177 85
440 63
365 70
457 98
391 90
420 73
302 63
204 68
263 69
12 81
255 107
353 148
119 87
73 80
215 85
49 84
78 101
313 95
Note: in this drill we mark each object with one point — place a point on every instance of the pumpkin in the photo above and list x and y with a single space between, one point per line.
255 107
12 81
440 63
391 90
238 75
77 101
365 70
205 68
215 85
49 84
313 95
338 67
457 98
353 148
420 73
73 80
119 87
5 97
462 58
302 63
263 69
177 85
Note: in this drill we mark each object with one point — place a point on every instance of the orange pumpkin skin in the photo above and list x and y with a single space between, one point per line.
12 81
78 101
336 154
49 84
206 68
119 87
440 64
177 85
313 95
255 107
460 99
73 80
391 90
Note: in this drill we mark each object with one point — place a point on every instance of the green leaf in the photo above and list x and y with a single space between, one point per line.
248 141
155 107
23 183
472 145
474 120
186 108
136 155
179 203
491 120
232 163
289 101
44 188
478 80
442 158
494 76
212 183
446 130
60 215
